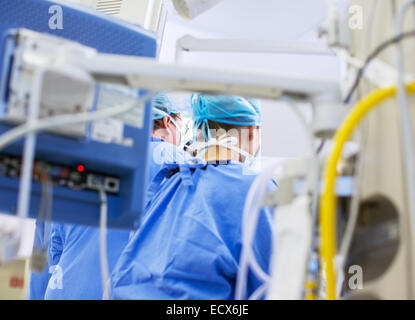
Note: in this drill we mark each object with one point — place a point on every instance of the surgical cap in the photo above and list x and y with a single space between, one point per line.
231 110
164 103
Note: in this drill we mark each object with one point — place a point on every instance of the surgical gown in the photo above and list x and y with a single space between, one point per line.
162 152
189 244
74 249
75 261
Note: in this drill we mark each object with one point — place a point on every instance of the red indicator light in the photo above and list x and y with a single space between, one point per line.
81 168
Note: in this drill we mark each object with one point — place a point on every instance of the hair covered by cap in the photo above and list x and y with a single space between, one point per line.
226 109
231 110
164 103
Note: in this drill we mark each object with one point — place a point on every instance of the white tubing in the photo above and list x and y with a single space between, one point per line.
249 225
259 292
407 130
62 120
29 147
103 217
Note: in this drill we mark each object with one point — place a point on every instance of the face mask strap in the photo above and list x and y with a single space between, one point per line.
226 142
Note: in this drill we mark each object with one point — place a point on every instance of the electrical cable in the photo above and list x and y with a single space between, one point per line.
321 146
328 199
250 217
103 217
373 55
347 238
369 29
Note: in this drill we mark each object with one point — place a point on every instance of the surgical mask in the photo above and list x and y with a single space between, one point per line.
253 161
181 140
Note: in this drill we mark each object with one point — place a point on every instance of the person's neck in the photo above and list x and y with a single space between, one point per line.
219 153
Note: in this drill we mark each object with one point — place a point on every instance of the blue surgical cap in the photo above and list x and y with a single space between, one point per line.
164 103
234 110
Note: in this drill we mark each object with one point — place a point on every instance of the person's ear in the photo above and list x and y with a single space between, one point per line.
166 122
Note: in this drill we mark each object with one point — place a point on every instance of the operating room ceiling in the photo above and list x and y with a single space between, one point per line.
261 19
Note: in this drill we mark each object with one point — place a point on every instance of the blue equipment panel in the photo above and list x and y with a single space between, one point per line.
127 163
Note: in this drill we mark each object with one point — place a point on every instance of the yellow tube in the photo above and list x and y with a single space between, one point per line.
328 199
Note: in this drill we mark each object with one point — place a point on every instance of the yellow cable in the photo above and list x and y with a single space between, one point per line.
328 199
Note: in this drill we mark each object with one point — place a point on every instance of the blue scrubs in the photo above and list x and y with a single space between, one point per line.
75 261
189 244
39 281
74 249
155 165
162 152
